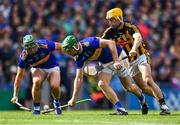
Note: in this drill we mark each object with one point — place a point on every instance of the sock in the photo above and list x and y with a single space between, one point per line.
36 106
118 105
162 101
56 103
142 98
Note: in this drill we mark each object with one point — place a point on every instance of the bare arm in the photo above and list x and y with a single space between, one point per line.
58 47
112 46
77 83
17 83
77 86
137 41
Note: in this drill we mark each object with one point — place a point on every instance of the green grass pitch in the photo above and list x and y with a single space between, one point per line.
91 117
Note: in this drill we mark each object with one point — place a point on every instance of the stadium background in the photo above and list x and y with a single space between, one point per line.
158 20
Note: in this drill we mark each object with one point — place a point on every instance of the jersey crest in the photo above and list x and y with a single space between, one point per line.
86 44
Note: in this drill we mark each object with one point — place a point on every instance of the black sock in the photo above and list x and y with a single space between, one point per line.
162 101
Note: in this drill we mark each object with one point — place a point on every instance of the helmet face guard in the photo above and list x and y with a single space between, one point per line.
29 46
75 50
29 42
71 45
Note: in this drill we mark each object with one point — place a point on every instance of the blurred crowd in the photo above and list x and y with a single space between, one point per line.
158 21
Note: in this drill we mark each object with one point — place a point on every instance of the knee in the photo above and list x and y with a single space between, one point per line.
129 88
102 84
145 88
147 79
37 85
55 86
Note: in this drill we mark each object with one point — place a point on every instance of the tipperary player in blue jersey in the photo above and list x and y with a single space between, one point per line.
38 56
106 52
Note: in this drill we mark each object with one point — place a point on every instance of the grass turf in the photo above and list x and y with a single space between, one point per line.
92 117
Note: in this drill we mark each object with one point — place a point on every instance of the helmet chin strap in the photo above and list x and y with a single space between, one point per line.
120 19
76 47
79 47
121 22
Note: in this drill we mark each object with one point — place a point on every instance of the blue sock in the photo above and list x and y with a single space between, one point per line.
118 105
56 103
141 98
36 106
57 107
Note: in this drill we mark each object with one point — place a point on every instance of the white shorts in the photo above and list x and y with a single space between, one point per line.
134 66
109 68
46 71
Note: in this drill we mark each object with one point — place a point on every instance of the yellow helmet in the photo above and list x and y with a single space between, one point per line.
114 13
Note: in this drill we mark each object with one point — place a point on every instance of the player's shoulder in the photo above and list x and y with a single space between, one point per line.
23 55
89 39
42 44
108 30
129 24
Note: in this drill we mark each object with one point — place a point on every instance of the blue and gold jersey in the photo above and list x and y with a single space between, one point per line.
43 58
93 52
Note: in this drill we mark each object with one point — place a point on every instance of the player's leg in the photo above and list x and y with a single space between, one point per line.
135 73
143 86
129 87
54 81
104 80
37 78
141 73
133 88
147 78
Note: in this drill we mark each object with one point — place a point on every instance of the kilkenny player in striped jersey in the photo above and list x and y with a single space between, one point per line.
128 36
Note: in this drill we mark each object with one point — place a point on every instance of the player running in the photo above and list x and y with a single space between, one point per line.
127 35
104 51
37 54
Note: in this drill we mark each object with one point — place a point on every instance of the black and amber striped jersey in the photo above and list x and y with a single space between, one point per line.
124 37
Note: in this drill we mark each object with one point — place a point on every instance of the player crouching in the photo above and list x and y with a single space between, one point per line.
37 54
